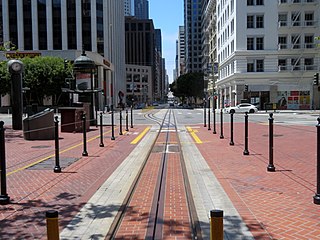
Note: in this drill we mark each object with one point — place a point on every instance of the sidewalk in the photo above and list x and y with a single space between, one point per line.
273 205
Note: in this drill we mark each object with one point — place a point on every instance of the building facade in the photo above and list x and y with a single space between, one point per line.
139 84
70 26
193 35
181 52
141 9
128 8
267 52
141 50
209 47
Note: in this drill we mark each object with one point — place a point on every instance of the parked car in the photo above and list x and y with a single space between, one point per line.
242 108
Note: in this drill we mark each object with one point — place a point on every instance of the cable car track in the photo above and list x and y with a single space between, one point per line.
146 206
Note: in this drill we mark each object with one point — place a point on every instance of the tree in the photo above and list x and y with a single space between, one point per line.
189 85
44 76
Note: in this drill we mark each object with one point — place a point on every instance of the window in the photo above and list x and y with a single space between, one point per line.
259 43
308 17
250 43
250 21
260 2
260 65
282 64
295 63
255 65
308 62
259 21
250 2
282 42
295 41
295 18
282 18
250 66
308 41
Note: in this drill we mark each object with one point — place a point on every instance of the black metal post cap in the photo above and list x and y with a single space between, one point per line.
216 213
51 214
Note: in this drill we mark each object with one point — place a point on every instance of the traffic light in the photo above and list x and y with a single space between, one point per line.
316 79
246 88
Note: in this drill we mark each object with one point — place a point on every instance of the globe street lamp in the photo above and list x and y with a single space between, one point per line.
15 69
84 68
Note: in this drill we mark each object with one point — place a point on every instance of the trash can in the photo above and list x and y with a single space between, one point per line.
39 126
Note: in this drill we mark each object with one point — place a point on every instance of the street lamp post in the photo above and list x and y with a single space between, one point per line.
15 69
84 68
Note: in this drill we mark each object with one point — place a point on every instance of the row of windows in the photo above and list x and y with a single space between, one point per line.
137 70
285 64
296 19
255 2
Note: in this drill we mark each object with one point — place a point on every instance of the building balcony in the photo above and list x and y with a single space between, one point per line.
289 68
296 1
290 24
300 46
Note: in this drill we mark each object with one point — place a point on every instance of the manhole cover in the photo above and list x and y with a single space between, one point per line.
50 163
41 146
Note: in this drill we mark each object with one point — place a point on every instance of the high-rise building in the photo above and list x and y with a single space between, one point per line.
141 9
128 8
267 52
181 51
140 51
209 46
193 35
65 28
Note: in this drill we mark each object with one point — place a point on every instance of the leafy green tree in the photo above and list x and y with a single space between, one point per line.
44 76
4 78
189 85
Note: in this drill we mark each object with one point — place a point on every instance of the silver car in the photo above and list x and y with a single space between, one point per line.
242 108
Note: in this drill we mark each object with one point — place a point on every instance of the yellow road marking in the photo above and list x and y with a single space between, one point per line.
194 135
52 155
137 139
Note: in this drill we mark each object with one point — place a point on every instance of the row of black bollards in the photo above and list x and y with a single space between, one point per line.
270 167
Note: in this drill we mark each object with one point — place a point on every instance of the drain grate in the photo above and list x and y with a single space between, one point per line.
41 146
50 163
173 148
158 149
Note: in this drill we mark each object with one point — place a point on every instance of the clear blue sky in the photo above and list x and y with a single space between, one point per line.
168 16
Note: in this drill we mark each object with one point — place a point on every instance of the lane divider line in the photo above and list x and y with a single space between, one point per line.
137 139
194 135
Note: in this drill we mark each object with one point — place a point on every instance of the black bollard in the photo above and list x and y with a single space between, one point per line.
4 198
209 127
84 130
57 168
231 143
131 116
204 114
246 151
214 116
120 131
316 197
112 123
271 167
127 120
101 131
221 124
